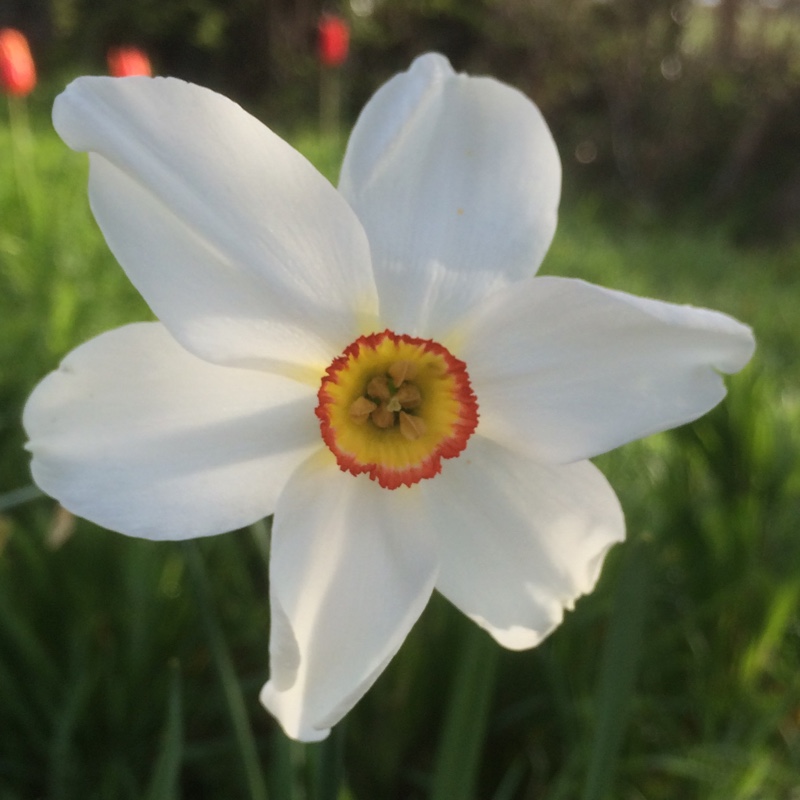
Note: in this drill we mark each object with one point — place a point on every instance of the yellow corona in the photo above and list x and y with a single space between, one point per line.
393 406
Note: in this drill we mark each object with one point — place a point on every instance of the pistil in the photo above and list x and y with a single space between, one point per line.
388 398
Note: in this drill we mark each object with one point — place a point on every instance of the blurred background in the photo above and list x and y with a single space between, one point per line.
131 670
662 102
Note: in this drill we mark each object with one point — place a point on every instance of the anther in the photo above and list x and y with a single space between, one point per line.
411 427
408 396
382 417
360 409
402 371
378 388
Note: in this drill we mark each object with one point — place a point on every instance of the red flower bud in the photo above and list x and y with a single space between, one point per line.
126 61
333 40
17 70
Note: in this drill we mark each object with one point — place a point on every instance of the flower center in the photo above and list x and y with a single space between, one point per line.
393 406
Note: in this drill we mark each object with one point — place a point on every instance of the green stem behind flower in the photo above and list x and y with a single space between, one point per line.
459 756
327 764
256 785
618 669
282 776
164 783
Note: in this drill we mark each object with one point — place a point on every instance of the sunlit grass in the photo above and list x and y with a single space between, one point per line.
130 669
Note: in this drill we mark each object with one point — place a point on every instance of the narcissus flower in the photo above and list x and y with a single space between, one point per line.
126 61
377 366
17 70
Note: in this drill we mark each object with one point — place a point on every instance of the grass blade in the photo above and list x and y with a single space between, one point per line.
16 497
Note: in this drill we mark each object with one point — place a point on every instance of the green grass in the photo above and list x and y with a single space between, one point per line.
131 670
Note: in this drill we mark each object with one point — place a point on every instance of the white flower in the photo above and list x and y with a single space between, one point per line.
318 348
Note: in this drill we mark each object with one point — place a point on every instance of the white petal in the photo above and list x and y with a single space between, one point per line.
351 569
137 435
456 180
239 245
564 370
520 541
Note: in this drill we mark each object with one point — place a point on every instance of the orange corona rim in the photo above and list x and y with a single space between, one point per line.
393 406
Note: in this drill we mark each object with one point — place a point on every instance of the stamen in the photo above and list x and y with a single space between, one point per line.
402 371
411 427
378 388
360 409
382 416
408 396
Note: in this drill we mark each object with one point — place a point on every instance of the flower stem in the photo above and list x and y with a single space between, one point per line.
618 669
164 783
282 778
330 764
464 731
256 785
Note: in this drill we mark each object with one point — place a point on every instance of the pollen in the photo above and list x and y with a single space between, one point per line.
394 406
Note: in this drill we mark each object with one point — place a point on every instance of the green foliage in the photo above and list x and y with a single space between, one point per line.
130 669
58 282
